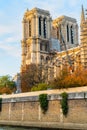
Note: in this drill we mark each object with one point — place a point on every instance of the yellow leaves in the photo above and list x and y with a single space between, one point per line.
5 90
76 79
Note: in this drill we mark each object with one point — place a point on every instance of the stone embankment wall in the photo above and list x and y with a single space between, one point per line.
24 110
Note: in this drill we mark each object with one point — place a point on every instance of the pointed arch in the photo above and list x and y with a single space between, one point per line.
40 25
67 33
44 27
72 34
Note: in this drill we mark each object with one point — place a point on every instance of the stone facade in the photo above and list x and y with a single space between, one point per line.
53 43
24 110
69 29
36 36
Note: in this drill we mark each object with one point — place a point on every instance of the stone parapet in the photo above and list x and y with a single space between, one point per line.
78 95
24 110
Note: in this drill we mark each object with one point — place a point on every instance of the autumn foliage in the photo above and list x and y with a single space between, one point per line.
66 79
7 85
6 90
32 77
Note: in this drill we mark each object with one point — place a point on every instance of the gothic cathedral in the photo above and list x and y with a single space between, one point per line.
53 42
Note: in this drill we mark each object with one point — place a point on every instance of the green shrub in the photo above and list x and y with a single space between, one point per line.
43 102
64 103
39 87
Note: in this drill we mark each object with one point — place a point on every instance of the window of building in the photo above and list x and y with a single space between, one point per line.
67 33
40 26
44 27
41 47
46 47
42 59
29 28
72 35
47 59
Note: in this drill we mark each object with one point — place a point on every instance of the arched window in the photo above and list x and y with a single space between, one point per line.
40 25
67 33
42 59
44 27
72 35
47 59
29 28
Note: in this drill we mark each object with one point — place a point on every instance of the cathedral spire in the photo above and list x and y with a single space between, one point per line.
82 15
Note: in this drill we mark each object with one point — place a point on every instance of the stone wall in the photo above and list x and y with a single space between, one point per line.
26 111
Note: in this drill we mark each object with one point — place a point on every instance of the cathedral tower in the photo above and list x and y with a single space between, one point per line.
69 28
83 39
36 35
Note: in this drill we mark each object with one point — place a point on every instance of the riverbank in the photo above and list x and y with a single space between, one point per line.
25 111
44 125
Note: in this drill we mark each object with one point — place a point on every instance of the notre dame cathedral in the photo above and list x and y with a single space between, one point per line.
53 43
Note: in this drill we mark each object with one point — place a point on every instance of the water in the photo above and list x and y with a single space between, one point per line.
16 128
21 128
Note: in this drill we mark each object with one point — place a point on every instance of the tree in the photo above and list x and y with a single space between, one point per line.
33 75
67 80
6 84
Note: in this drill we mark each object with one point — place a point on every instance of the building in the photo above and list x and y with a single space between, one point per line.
53 42
17 80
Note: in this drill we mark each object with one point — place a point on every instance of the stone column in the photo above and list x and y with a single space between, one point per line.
37 26
33 26
23 24
23 44
33 49
27 28
38 51
48 27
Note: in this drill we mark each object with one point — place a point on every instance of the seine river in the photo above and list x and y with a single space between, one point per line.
16 128
20 128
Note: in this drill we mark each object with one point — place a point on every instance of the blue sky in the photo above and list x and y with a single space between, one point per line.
11 14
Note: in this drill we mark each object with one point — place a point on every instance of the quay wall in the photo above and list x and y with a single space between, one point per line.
24 110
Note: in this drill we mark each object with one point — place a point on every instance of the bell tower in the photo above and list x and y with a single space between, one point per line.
36 36
68 27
